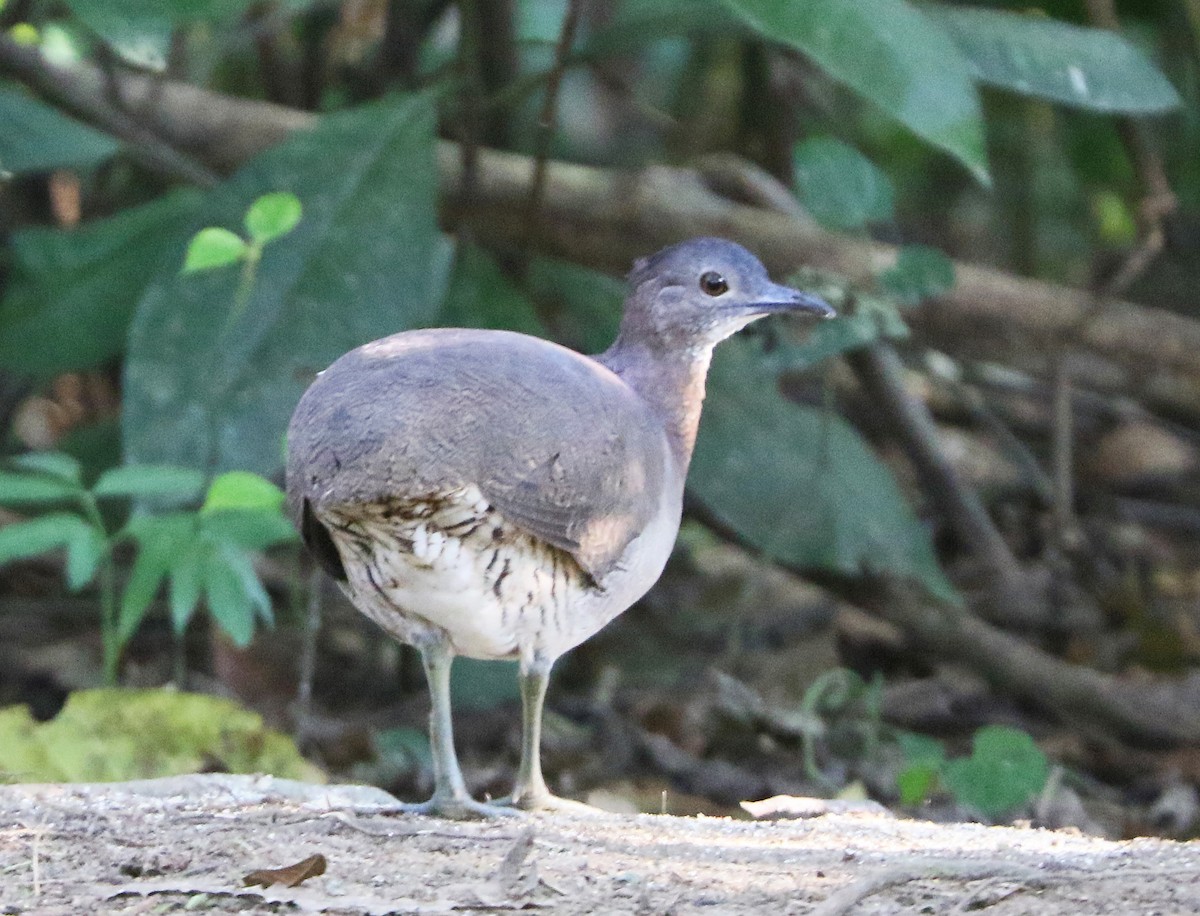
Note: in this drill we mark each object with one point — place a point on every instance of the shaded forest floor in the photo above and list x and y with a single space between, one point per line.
186 844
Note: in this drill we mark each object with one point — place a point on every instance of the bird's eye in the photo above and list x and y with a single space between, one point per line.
713 283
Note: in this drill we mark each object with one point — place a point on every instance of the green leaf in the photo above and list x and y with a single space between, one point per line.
921 749
890 53
1094 69
214 247
164 483
35 489
482 685
920 273
140 30
184 586
242 564
78 287
915 782
1006 770
873 318
639 22
162 540
359 266
84 552
228 601
242 490
481 296
840 186
21 540
52 464
799 485
272 215
584 305
37 138
253 529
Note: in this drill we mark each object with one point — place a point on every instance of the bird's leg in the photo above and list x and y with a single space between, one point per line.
450 797
530 792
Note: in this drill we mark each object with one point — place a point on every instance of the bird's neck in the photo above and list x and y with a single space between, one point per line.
671 383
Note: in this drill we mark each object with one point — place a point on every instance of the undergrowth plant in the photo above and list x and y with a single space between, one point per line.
842 715
203 548
1005 770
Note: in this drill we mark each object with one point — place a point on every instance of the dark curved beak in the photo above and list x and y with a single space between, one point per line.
785 299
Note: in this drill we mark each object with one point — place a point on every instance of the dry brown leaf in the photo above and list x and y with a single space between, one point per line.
289 875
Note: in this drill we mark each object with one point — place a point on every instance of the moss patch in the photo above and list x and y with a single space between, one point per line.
114 735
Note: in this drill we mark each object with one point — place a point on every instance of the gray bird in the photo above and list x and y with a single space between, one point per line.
490 494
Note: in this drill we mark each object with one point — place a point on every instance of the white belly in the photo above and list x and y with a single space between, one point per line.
452 568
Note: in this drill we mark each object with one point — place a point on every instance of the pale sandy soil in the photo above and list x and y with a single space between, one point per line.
184 845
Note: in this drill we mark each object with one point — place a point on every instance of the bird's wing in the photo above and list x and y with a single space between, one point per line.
589 495
558 445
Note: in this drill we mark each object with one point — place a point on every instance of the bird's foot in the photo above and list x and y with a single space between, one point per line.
544 801
459 808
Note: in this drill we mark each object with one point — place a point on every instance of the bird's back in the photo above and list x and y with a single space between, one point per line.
557 443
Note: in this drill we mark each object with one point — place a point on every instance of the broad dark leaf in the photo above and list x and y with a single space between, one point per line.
799 485
140 30
841 187
36 137
210 389
890 53
1093 69
481 296
583 305
78 288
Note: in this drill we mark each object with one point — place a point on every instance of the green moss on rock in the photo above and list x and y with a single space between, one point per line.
113 735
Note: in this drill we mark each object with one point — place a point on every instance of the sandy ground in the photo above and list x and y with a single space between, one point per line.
185 845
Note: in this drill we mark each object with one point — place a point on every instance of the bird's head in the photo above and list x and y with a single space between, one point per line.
695 294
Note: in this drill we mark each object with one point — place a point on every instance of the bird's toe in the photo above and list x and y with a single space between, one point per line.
545 801
460 809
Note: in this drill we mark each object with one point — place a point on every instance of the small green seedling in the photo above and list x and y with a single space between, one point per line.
204 552
270 217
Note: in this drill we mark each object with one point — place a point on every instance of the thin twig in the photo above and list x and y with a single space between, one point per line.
1158 200
1063 451
308 652
548 120
469 114
881 372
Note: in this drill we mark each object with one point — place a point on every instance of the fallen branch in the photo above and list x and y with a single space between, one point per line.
1150 712
605 218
